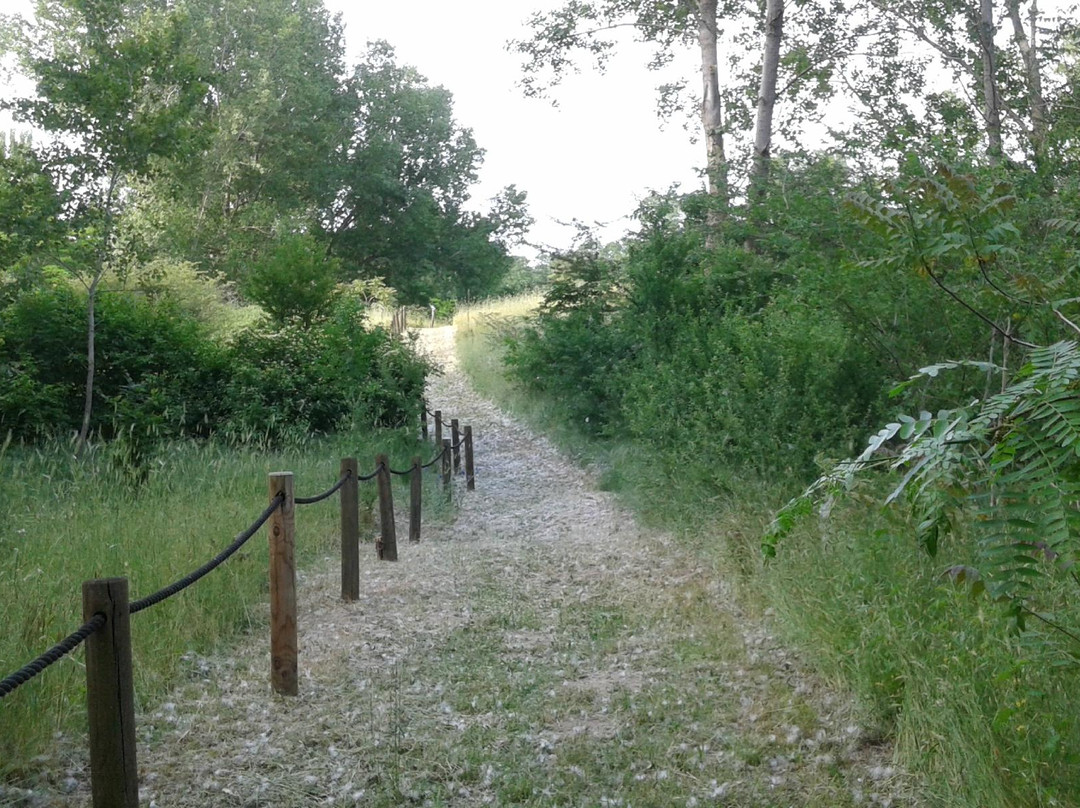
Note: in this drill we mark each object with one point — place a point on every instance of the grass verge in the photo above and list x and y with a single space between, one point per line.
63 521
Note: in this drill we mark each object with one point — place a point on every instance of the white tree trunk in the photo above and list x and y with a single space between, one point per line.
91 333
1029 52
712 113
991 100
770 68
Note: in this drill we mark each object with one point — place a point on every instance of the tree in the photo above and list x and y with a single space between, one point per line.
277 115
296 281
115 90
759 51
30 204
402 185
1006 85
770 70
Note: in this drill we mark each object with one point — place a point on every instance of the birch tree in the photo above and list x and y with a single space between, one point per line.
115 91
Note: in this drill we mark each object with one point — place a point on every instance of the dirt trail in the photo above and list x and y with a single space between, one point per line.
539 649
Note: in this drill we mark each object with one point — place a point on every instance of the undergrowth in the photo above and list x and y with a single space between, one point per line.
985 715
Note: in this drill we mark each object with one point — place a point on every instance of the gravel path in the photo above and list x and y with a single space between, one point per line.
540 629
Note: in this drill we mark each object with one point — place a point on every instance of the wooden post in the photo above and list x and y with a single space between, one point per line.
387 544
438 427
423 420
110 696
350 531
455 435
446 466
470 469
283 645
416 492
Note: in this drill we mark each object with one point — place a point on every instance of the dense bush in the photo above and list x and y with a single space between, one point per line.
160 374
711 357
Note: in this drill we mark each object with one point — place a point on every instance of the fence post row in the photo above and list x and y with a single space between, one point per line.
283 644
423 420
110 696
110 692
350 530
387 545
470 468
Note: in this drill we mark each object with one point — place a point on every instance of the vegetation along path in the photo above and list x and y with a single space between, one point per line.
541 649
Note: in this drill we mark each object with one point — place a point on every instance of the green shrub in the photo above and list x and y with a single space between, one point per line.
160 375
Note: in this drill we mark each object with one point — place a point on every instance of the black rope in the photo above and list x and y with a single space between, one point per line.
210 565
54 654
365 477
434 460
325 494
404 473
459 444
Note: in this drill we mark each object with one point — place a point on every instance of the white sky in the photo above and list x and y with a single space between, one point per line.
591 158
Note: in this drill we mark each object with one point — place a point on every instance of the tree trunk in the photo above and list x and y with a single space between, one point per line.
712 116
991 101
770 68
1027 43
91 333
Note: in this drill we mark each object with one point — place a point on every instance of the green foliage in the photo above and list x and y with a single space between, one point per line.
295 281
297 380
162 375
400 213
30 204
1008 466
704 356
575 351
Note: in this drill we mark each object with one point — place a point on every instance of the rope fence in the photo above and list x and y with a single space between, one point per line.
107 611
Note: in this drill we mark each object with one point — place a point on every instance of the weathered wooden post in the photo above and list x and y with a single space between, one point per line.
350 530
387 544
446 466
455 436
283 643
416 492
438 427
470 469
110 696
423 420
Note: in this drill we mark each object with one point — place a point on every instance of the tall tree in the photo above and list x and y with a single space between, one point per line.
589 28
1006 81
115 90
277 113
403 181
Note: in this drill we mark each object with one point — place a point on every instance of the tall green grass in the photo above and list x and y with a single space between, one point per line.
989 717
66 520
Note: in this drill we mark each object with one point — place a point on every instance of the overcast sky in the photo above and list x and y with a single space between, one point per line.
590 159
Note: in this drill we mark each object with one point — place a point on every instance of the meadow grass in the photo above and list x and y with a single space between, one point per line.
988 717
63 521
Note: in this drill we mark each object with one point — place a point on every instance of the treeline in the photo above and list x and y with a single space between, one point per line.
226 153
